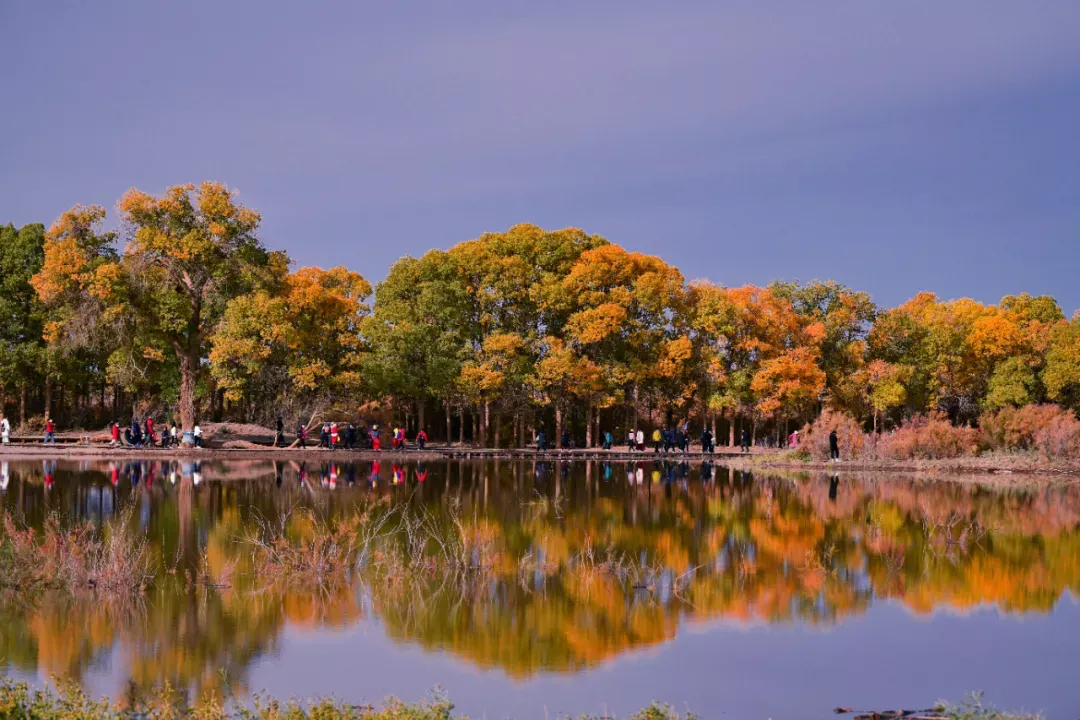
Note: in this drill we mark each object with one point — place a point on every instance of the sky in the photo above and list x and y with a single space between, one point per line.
892 146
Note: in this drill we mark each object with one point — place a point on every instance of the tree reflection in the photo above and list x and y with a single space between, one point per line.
581 563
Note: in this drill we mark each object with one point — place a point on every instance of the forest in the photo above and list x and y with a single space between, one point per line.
175 307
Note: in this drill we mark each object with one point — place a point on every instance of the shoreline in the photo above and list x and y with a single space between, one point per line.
763 459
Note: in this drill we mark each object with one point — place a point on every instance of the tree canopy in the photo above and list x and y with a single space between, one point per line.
179 305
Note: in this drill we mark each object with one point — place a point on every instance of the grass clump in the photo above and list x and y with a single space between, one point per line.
74 558
973 708
20 701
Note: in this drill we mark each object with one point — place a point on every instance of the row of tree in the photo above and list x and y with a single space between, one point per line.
502 334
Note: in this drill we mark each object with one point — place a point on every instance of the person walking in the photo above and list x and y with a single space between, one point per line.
324 436
350 437
541 441
744 440
301 435
706 440
50 431
5 429
834 446
335 437
197 434
639 436
608 440
657 438
114 434
421 439
376 438
279 436
151 436
174 435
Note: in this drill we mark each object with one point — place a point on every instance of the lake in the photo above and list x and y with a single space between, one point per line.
735 595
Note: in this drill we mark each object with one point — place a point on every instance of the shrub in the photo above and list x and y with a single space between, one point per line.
72 557
1050 430
928 437
854 443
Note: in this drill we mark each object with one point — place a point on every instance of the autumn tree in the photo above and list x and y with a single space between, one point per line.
749 337
561 377
964 356
1062 372
494 375
188 253
883 388
845 316
514 284
417 332
300 342
625 312
790 384
76 281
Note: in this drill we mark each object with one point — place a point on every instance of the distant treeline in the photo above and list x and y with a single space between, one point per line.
182 310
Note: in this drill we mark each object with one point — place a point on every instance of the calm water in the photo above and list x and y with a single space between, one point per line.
769 596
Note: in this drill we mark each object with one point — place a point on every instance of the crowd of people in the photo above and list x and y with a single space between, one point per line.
146 434
349 436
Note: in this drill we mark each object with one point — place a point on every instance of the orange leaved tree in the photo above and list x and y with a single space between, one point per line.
188 253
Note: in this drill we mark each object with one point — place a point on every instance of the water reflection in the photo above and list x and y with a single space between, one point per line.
706 543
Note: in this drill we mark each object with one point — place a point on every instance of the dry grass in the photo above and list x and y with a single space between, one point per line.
316 552
73 557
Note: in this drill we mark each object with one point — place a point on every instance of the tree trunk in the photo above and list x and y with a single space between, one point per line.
517 430
875 421
634 426
731 430
420 416
48 396
558 427
449 426
498 425
589 426
22 404
485 423
461 425
475 427
189 368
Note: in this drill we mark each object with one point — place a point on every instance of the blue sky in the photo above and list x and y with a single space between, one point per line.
893 146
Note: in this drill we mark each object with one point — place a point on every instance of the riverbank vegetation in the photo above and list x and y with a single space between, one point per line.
1047 434
21 701
179 310
74 558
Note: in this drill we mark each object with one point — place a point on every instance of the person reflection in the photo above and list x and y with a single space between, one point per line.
834 483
